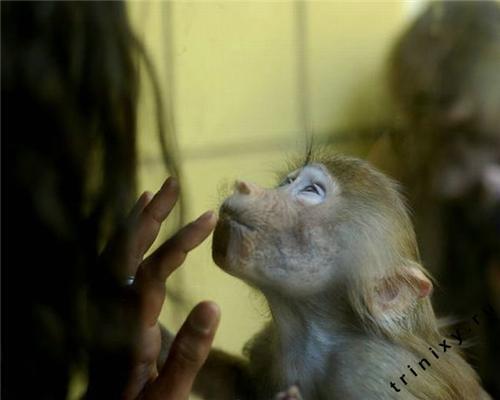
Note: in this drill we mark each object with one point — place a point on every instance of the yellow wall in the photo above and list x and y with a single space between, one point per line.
243 81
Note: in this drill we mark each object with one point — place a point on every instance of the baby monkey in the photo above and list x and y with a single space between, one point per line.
333 251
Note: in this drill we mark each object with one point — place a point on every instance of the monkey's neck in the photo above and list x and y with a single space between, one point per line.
306 333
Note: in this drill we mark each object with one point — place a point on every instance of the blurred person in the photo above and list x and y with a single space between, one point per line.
73 305
445 148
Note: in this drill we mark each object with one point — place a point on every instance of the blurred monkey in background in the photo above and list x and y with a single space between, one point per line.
445 148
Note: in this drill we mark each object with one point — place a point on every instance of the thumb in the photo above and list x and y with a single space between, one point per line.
188 353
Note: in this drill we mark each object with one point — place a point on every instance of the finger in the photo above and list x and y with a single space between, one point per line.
151 276
118 248
189 351
141 202
149 220
173 252
130 260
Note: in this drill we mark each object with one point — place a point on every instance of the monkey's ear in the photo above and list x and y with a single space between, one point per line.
398 293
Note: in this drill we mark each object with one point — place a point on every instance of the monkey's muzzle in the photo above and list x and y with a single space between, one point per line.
229 237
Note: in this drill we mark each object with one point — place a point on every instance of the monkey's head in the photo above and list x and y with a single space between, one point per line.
444 80
333 223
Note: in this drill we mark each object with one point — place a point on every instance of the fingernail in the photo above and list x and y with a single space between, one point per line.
206 216
205 318
169 183
147 196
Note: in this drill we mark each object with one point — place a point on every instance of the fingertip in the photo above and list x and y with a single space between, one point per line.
211 307
170 183
147 196
208 218
141 203
205 317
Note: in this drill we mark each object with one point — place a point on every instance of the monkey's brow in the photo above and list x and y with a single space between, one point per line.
317 167
298 171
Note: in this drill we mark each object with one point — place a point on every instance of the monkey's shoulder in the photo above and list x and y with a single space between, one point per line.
362 368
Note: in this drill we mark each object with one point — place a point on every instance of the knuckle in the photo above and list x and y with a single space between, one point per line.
151 213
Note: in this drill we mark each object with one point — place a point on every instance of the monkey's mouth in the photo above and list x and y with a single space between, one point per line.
229 216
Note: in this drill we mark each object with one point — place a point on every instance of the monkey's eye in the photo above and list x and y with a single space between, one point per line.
314 188
288 180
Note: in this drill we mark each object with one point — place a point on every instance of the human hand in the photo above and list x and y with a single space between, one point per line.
192 344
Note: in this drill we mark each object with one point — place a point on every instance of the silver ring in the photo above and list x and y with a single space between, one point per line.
130 280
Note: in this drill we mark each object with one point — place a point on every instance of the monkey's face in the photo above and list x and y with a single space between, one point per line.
281 238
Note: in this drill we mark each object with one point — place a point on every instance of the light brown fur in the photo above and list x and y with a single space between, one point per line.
348 296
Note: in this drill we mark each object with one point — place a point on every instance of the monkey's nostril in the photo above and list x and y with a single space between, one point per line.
242 187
